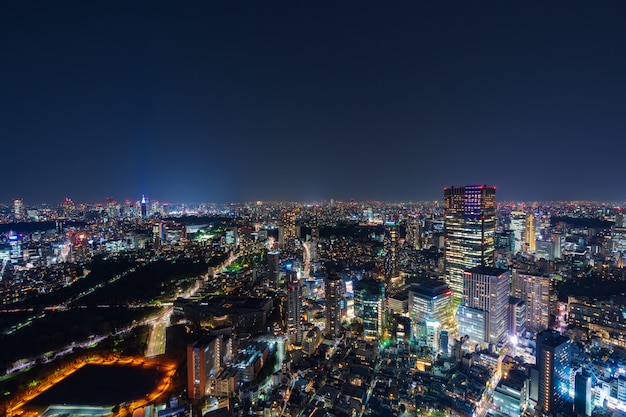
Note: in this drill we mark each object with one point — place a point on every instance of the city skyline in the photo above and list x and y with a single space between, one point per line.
226 102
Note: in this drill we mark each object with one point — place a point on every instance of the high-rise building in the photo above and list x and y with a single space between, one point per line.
294 311
469 231
430 309
414 232
289 226
553 363
332 289
369 296
203 361
144 207
582 394
518 227
487 288
18 209
531 227
390 267
472 323
535 290
273 265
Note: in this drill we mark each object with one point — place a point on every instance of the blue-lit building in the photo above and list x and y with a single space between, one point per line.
369 296
471 323
430 309
553 363
144 206
582 394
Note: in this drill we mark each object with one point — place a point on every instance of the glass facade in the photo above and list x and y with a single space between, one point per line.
469 231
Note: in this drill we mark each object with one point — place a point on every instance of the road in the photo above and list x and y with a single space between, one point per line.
158 338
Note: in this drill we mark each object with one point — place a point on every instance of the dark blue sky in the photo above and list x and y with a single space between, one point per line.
239 101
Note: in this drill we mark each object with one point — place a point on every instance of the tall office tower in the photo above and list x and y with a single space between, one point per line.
369 296
332 288
414 232
430 309
531 227
469 231
203 361
535 290
390 267
559 240
68 208
518 227
289 226
486 288
18 209
553 362
273 266
155 207
144 206
582 394
294 311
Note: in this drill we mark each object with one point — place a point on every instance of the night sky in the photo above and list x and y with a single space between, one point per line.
304 100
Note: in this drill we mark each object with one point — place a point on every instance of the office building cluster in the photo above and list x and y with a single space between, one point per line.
470 307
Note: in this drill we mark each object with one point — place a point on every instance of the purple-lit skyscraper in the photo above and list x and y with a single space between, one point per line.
469 231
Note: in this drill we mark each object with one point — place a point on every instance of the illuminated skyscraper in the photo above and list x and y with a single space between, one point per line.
553 362
531 227
144 206
18 209
535 290
332 288
430 309
414 232
518 226
289 227
273 265
469 231
391 250
487 289
294 311
369 296
203 362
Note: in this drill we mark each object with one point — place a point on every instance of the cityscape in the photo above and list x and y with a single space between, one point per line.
313 208
464 306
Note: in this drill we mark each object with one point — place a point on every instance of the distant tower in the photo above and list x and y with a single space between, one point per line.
68 207
414 232
469 231
553 362
518 227
294 311
487 289
369 296
144 207
273 265
391 251
18 209
531 227
332 288
289 227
